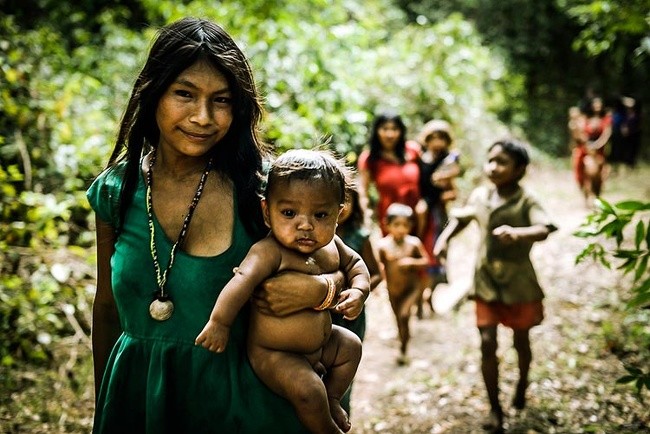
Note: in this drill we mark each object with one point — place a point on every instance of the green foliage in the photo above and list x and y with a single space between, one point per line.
605 23
620 236
60 109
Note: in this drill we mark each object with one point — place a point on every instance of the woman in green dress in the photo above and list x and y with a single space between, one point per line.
176 210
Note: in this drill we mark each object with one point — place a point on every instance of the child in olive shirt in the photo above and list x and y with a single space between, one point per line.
506 290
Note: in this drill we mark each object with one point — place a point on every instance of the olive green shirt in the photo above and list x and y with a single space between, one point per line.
504 272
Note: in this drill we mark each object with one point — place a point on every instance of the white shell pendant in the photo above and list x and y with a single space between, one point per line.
161 310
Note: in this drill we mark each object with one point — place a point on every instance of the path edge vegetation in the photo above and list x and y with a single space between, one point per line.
65 69
618 237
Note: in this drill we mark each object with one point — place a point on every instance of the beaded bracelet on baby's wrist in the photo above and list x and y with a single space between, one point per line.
331 292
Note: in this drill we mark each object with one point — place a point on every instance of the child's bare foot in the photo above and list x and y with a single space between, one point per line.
494 421
403 360
339 415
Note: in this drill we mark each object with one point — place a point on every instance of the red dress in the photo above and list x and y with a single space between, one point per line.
592 131
395 182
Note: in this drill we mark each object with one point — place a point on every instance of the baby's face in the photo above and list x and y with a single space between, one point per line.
302 214
436 143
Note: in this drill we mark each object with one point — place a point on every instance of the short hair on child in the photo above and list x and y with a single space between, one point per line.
515 149
396 210
311 165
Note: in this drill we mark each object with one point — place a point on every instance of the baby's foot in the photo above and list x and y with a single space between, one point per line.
339 415
494 421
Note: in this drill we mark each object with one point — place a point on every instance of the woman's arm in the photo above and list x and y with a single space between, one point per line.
106 322
290 291
603 138
365 179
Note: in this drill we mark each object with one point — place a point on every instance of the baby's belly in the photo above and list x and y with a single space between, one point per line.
303 332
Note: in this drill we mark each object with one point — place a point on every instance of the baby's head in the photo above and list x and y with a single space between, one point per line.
305 193
436 135
399 220
318 167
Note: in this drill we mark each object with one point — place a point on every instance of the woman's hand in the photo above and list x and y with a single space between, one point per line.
289 292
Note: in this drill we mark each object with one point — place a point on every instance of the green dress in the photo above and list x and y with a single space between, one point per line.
156 380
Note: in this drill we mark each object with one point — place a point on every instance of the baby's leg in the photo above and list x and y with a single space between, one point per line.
341 357
293 377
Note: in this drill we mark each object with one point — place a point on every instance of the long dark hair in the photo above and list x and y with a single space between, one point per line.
375 145
239 155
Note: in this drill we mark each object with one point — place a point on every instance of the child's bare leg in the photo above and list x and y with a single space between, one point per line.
293 377
426 283
402 309
525 357
341 357
490 371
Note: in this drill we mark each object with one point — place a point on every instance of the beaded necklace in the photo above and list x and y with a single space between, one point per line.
161 308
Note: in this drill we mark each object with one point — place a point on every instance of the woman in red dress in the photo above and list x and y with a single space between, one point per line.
391 165
589 154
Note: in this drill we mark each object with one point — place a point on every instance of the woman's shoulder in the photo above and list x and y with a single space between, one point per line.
362 161
104 192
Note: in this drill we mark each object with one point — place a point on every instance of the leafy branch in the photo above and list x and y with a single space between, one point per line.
620 237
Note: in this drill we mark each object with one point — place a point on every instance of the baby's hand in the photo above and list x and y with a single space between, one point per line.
213 337
506 234
350 303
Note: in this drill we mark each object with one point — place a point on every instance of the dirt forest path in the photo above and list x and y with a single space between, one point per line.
573 374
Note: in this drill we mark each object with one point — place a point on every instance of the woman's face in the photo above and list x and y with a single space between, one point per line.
389 134
597 105
195 112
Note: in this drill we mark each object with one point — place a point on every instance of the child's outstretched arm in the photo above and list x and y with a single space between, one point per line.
351 300
454 226
509 235
261 261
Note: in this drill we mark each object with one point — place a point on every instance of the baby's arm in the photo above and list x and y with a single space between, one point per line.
350 302
370 259
262 260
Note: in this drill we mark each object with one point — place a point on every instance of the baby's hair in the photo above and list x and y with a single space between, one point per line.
311 165
396 210
436 128
514 149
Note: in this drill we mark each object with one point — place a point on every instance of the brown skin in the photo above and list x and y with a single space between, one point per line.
286 352
402 256
193 115
503 172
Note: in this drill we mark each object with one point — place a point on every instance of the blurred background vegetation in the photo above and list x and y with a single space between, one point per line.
323 66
